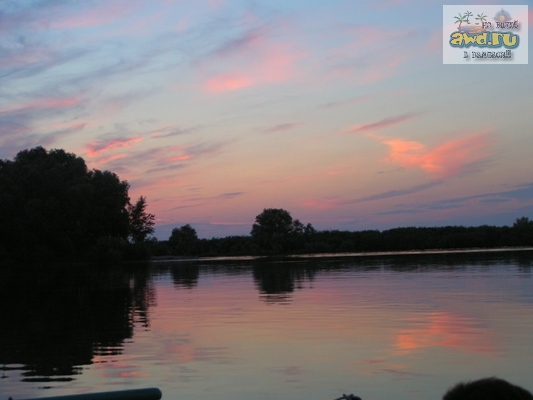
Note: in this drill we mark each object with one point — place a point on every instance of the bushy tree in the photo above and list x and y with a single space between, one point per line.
523 223
523 231
108 209
52 206
141 223
274 230
183 241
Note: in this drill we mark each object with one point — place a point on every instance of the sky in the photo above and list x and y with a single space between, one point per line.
339 111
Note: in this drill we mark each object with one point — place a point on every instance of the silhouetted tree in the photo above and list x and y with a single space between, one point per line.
274 230
52 206
108 214
183 241
523 222
141 222
523 231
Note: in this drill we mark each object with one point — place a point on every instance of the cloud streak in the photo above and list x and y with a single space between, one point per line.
382 124
282 127
334 104
270 64
197 201
170 131
15 141
521 194
396 193
452 158
250 60
362 60
96 148
56 104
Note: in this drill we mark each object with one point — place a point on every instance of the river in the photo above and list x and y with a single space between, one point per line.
383 327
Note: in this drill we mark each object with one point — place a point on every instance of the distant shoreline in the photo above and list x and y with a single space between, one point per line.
339 255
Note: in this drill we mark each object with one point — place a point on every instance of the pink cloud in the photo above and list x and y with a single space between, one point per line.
183 153
249 61
274 66
65 102
43 104
182 157
107 13
105 160
282 127
434 43
320 204
247 223
444 161
367 36
228 83
278 64
95 148
28 57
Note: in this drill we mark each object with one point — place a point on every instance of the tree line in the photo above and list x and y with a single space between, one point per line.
52 207
276 232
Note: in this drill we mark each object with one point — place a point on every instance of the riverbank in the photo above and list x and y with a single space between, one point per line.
346 255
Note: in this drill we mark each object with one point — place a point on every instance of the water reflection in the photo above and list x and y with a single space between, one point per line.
367 319
277 281
438 261
445 329
55 322
185 275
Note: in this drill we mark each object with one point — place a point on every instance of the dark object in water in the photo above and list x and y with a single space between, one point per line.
134 394
487 389
348 397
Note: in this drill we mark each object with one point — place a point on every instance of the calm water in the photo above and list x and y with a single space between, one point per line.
390 327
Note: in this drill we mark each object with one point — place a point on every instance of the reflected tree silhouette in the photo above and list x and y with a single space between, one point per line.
55 322
277 281
185 275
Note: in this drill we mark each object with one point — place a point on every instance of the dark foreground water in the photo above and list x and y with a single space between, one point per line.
389 327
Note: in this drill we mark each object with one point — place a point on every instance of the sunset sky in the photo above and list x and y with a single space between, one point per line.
339 111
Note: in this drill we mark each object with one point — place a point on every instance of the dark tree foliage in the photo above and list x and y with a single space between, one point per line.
275 231
108 206
141 222
52 206
523 223
523 231
184 241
